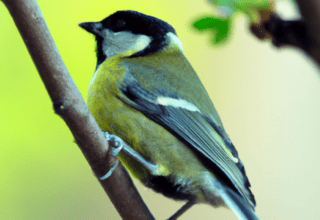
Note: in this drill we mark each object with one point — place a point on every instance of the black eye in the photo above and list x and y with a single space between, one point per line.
120 24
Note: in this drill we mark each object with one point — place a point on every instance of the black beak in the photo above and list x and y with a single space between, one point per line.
91 27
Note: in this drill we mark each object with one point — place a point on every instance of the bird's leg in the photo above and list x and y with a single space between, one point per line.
183 209
118 145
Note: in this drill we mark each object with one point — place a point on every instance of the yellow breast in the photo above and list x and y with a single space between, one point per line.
145 136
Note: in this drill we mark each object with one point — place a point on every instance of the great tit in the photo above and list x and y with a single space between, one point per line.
145 91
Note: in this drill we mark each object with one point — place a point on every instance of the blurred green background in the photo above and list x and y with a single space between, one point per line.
268 99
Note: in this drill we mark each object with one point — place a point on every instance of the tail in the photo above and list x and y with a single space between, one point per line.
235 202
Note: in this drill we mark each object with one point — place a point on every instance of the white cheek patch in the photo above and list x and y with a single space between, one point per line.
173 41
177 103
124 43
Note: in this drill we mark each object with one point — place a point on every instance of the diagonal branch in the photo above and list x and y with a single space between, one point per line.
69 104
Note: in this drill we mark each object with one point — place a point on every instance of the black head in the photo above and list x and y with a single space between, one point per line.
132 22
137 23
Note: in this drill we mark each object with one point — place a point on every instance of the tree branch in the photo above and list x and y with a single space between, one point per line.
303 34
310 11
68 103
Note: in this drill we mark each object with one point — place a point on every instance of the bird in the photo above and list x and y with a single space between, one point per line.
145 92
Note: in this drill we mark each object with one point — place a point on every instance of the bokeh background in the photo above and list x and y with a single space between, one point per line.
268 99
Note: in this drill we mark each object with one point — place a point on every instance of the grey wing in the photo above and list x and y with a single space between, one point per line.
197 131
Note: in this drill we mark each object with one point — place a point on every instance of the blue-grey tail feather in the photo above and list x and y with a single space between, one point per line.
235 202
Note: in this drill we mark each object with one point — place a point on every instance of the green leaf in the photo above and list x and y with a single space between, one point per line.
218 26
222 2
242 3
209 23
222 34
